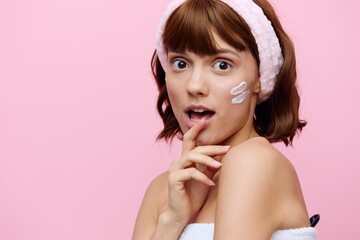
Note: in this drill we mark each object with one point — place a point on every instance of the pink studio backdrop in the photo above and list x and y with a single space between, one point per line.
78 120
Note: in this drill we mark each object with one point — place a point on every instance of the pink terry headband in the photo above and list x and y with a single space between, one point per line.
271 58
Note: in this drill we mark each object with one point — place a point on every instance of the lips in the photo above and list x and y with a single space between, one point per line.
197 112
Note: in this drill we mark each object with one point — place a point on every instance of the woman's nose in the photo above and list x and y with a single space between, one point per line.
198 83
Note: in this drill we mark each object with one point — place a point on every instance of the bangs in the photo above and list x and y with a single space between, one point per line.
191 26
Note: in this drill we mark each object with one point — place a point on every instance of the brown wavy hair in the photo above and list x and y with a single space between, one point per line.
190 28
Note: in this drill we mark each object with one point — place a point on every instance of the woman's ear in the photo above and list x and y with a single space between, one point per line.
257 86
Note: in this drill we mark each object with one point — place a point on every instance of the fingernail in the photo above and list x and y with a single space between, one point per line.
227 147
216 163
201 121
211 183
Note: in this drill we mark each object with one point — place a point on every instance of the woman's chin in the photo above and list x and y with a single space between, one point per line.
204 139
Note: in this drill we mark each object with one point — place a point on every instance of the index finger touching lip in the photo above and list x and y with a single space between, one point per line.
195 130
190 136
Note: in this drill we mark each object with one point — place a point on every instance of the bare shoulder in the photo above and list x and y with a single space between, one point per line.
153 202
260 162
258 152
258 186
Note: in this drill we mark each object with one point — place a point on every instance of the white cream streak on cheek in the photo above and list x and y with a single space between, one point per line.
240 92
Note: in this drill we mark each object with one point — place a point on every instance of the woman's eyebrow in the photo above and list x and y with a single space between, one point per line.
225 50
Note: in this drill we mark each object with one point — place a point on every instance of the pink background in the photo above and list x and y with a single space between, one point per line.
78 120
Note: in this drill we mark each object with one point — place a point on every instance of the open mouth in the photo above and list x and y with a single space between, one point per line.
198 114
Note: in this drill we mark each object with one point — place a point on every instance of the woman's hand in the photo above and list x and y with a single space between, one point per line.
191 176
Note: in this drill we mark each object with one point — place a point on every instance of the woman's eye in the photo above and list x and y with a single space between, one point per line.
179 64
222 65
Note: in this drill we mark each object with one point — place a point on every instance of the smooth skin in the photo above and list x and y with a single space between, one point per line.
227 174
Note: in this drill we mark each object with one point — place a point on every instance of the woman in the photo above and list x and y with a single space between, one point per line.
227 87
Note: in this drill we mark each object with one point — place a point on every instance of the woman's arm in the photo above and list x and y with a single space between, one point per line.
148 214
183 190
149 223
257 185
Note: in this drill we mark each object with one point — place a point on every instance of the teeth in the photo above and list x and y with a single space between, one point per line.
198 110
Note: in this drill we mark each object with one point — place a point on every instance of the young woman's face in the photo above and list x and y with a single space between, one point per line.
221 88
